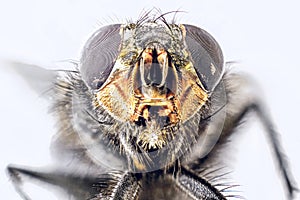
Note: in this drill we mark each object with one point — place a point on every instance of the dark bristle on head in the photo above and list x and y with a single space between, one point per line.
154 14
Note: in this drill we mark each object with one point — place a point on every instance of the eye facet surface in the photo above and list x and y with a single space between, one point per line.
206 55
99 55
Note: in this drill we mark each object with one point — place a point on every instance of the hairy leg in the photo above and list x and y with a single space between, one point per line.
72 184
243 99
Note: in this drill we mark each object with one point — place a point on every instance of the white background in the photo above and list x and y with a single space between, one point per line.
262 35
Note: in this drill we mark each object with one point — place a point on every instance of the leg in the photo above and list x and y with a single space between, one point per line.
77 185
178 183
197 187
241 100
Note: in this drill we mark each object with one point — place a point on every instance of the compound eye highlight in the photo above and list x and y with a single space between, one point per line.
206 56
99 55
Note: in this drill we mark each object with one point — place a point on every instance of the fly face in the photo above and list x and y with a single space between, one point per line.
151 87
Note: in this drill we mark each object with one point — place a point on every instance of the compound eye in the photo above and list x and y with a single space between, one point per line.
99 55
206 56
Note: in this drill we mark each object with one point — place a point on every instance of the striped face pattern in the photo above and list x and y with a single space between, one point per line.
155 77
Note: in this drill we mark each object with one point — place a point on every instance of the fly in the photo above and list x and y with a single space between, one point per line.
145 114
